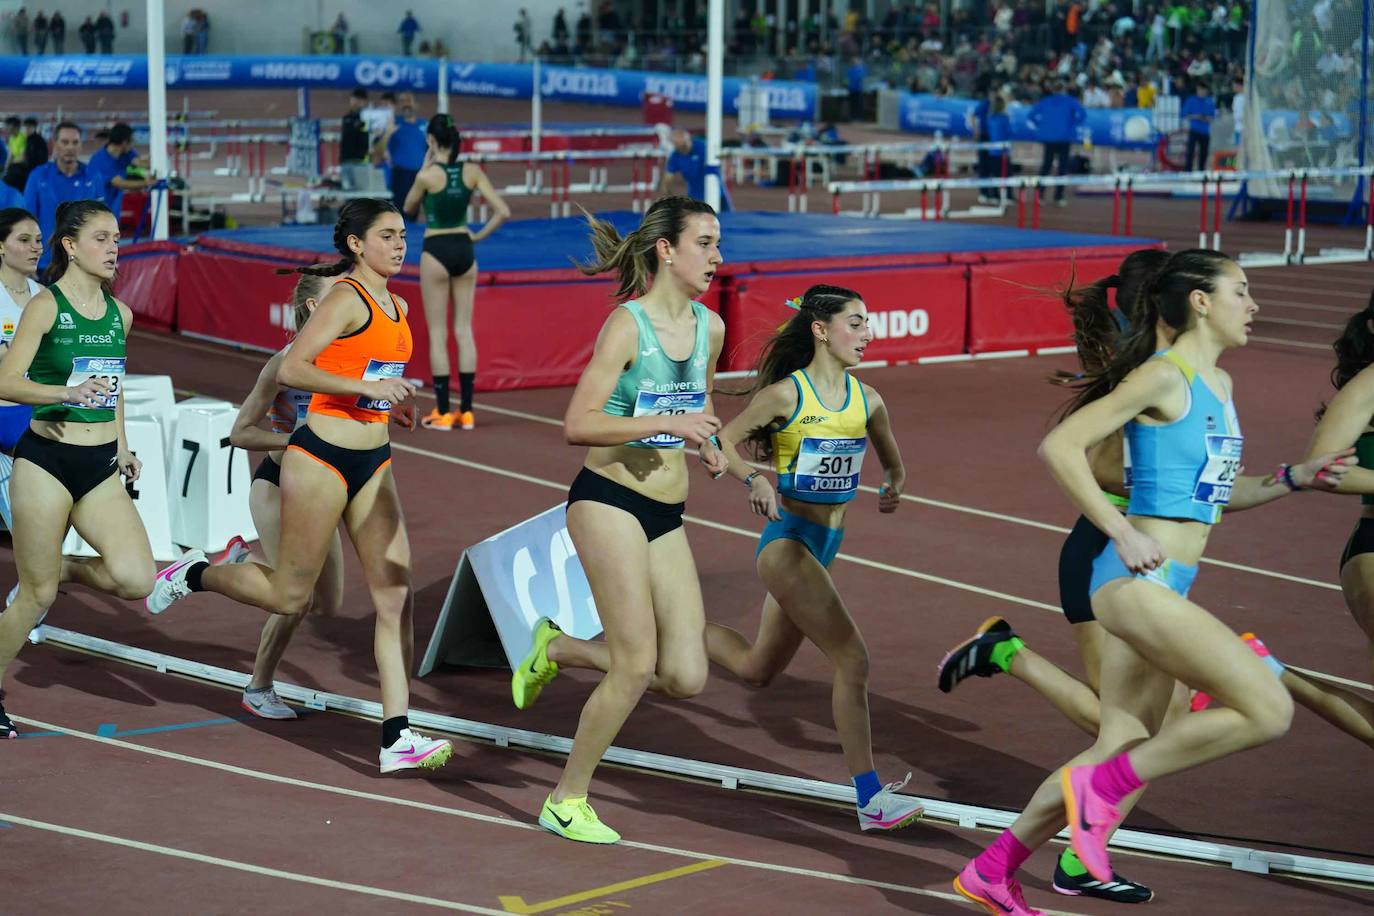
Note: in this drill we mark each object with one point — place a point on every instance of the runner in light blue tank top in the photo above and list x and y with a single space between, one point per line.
658 385
1141 578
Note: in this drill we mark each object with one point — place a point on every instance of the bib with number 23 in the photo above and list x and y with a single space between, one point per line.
1219 474
109 369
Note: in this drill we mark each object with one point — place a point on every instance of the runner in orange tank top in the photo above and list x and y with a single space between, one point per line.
337 466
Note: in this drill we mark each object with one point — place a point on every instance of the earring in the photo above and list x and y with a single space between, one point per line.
667 260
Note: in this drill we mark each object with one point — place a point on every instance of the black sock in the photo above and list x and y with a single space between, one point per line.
441 392
392 728
465 390
193 576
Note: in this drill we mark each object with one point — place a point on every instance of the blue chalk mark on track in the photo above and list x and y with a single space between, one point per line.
111 730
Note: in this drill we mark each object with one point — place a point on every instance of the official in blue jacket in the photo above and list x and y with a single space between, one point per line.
63 178
1198 112
1056 119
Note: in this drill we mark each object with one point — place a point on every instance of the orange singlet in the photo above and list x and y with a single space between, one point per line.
377 350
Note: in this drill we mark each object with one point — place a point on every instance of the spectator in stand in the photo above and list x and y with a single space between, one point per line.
40 32
407 29
560 28
104 35
15 141
57 32
63 179
524 40
340 32
189 24
405 147
1056 119
35 147
87 35
1198 112
19 31
202 31
854 76
1238 109
109 167
1094 96
354 144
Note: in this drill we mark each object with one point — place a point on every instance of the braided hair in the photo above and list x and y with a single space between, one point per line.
355 218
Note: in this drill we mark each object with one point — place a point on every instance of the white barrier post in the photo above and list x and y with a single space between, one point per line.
149 492
209 482
152 396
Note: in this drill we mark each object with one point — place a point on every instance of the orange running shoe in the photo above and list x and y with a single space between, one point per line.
436 420
467 419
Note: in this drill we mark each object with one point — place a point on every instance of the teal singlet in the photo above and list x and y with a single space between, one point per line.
656 385
448 207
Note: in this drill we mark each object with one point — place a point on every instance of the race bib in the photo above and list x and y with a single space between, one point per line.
829 466
377 370
649 404
1219 474
108 368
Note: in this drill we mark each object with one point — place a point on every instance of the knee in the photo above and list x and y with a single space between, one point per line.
851 662
134 586
758 676
43 594
685 684
291 603
1272 714
634 674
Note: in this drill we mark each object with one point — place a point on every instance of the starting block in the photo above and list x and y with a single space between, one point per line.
502 586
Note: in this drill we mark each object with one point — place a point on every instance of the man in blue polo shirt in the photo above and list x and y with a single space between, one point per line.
110 164
685 170
405 147
1198 111
63 178
1056 119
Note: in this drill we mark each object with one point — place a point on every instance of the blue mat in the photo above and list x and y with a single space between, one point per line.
543 244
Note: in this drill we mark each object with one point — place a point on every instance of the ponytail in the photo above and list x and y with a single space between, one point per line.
794 346
634 257
1098 328
355 218
446 135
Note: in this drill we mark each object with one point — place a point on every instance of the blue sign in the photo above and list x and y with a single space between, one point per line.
1130 128
795 100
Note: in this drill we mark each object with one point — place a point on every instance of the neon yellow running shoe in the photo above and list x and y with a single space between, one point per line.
535 670
574 819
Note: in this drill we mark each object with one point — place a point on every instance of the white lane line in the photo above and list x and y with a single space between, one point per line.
1299 322
919 500
1290 343
247 866
459 812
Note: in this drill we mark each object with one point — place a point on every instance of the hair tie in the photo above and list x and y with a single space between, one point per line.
794 303
1112 282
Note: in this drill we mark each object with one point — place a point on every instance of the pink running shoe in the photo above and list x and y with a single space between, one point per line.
1091 820
1004 899
234 553
1202 700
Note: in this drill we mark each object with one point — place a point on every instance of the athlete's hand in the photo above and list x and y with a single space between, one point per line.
129 466
403 415
695 428
890 493
713 459
395 390
1139 552
1324 472
763 500
90 393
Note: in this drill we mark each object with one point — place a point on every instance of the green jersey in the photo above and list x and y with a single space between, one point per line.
76 349
448 208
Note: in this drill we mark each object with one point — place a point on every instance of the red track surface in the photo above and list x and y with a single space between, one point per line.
918 582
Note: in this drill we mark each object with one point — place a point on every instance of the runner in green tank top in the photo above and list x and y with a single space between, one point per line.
644 395
448 266
67 360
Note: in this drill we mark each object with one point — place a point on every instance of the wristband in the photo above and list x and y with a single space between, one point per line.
1285 476
714 440
749 481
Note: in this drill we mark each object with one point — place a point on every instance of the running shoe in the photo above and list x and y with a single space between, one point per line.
574 819
1091 820
413 750
467 420
1001 899
1200 700
265 704
978 656
234 553
535 670
889 811
7 729
1082 884
441 421
170 585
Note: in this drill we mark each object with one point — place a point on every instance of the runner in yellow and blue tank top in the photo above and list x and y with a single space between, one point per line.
67 359
448 266
1185 447
644 396
285 409
814 422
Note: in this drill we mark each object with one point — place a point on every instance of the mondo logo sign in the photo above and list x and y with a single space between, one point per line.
887 325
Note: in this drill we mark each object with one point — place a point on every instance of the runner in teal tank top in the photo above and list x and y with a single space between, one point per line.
645 397
67 360
448 266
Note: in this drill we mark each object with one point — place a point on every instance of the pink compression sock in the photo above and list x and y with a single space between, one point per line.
1000 861
1115 779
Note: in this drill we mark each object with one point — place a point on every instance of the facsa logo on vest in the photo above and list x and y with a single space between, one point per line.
580 82
95 338
886 325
